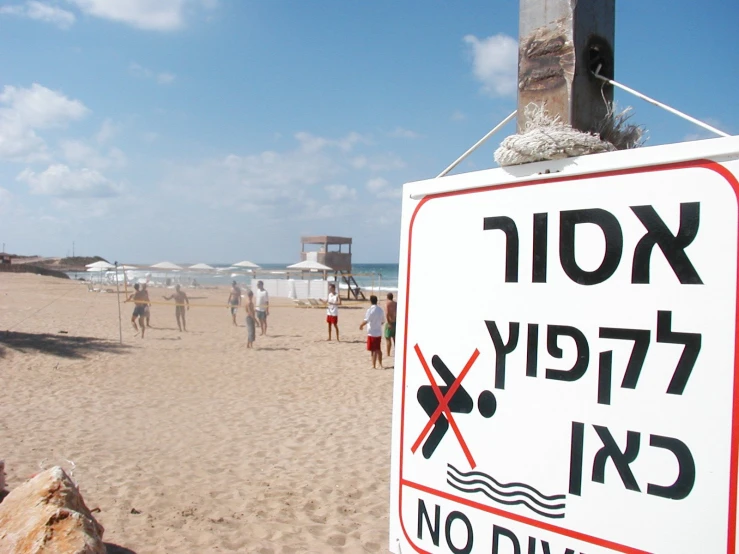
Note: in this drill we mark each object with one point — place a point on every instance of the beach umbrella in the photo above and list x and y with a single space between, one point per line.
100 265
247 264
165 265
201 266
310 265
98 270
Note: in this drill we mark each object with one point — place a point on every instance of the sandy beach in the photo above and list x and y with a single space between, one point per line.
189 442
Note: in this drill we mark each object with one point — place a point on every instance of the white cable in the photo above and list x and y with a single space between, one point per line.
663 106
495 129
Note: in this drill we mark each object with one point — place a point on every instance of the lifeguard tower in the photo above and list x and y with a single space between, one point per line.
330 252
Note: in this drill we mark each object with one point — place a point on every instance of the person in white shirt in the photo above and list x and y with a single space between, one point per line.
373 320
262 307
332 311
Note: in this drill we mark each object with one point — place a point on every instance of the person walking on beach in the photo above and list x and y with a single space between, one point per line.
139 298
234 300
180 299
262 307
147 309
332 311
373 320
251 319
391 311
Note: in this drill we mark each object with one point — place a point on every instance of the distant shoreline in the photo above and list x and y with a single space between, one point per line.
69 264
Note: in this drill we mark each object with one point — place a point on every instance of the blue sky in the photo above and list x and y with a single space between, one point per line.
222 130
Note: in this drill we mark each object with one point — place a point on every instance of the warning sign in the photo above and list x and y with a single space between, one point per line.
566 376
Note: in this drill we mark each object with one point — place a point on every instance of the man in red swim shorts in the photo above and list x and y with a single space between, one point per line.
332 310
373 320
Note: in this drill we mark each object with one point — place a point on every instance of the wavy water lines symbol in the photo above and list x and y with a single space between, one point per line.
507 493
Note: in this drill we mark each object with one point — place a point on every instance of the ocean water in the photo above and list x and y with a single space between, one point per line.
372 277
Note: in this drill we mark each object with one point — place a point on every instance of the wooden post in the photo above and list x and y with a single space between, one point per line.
118 297
560 43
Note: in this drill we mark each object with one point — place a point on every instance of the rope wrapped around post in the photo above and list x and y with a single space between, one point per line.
548 138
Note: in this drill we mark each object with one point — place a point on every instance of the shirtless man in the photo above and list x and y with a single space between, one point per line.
180 299
234 300
147 309
391 311
140 298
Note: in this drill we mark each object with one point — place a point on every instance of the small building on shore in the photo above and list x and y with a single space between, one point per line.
330 251
336 253
5 259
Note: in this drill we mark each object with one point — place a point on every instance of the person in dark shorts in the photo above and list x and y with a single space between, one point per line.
181 299
262 307
140 298
391 310
251 319
234 300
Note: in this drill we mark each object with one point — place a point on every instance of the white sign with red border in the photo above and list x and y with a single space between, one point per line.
566 375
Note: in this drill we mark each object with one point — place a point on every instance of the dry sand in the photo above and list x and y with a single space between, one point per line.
189 442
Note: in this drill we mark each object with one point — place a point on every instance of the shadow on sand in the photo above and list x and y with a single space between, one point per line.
64 346
111 548
274 348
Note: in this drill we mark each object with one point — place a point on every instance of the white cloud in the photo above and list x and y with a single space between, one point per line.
107 131
381 188
163 78
495 63
270 170
25 110
399 132
274 185
289 187
458 115
86 208
79 153
312 143
18 141
61 181
41 12
40 107
267 183
377 184
153 15
138 70
340 192
381 162
391 193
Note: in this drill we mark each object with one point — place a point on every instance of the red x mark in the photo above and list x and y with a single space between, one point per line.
444 404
